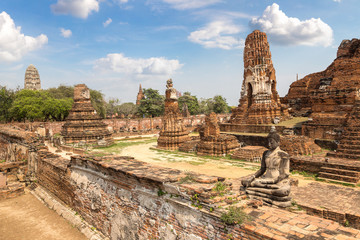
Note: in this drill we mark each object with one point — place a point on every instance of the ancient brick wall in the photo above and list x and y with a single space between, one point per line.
122 200
119 126
52 173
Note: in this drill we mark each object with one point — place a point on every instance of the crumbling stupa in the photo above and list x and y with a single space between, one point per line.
211 142
259 101
329 96
32 78
173 132
84 125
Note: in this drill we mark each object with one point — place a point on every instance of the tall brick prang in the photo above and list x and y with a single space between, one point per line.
259 101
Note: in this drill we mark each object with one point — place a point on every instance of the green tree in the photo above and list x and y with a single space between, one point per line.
7 97
98 102
191 101
216 104
127 109
112 107
39 106
152 105
220 105
61 92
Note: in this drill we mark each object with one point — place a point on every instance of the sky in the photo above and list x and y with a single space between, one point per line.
115 45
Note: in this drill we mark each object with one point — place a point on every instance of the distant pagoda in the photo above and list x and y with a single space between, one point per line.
140 95
32 78
83 123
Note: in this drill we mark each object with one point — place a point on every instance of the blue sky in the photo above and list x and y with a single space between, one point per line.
114 45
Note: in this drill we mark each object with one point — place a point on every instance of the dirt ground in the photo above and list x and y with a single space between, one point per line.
26 218
186 162
221 167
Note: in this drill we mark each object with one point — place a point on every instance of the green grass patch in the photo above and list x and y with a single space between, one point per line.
294 122
196 163
304 174
120 145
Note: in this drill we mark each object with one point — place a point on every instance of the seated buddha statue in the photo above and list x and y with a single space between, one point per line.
271 183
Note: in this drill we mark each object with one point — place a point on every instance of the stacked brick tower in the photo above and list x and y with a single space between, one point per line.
173 132
259 102
32 78
83 123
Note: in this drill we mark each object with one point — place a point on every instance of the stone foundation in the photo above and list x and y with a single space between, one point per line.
249 153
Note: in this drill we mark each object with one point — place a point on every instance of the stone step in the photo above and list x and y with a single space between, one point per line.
337 181
343 172
338 177
355 152
351 138
349 141
348 146
347 155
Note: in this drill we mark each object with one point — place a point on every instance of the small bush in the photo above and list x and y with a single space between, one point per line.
234 215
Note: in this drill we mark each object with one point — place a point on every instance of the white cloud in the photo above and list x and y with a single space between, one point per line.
218 34
77 8
66 33
120 1
337 0
107 22
188 4
117 62
14 44
285 30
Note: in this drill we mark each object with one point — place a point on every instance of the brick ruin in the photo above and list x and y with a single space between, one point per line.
212 142
349 145
173 131
124 198
84 125
329 96
259 101
32 78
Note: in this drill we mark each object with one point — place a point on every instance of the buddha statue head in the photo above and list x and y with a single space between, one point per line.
274 140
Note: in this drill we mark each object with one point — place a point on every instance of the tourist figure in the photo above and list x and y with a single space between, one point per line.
271 183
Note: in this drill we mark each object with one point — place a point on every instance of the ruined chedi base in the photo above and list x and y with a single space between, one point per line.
211 142
173 132
349 146
330 95
259 102
83 123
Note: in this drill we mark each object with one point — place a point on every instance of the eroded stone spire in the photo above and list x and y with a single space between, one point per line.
32 78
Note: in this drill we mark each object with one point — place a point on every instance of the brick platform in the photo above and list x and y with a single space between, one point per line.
338 203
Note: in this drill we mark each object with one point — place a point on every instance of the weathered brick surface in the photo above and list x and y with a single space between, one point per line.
12 190
120 197
332 202
329 94
212 142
